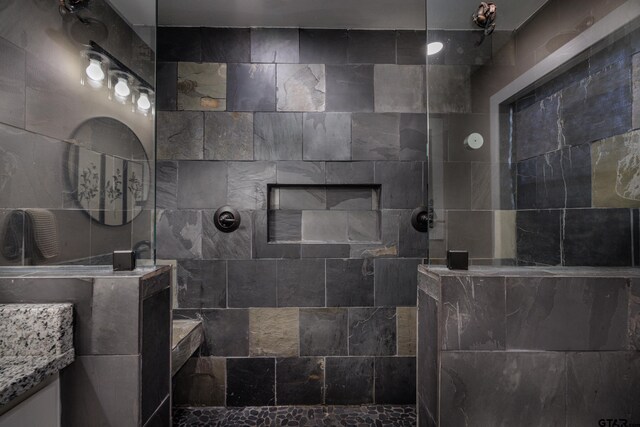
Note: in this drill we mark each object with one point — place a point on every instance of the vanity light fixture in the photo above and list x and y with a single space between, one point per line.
120 83
144 102
434 47
95 68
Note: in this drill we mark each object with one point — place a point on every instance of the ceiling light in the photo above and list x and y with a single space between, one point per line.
434 47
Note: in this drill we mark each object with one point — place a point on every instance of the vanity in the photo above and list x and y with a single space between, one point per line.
121 340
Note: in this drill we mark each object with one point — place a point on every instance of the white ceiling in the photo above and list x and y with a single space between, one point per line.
363 14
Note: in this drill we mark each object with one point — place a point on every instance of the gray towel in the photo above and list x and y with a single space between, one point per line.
45 232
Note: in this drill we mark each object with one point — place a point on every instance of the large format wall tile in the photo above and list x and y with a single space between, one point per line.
499 388
634 315
400 88
349 172
300 172
348 380
278 136
372 331
251 382
301 87
471 231
538 237
349 282
202 86
220 245
395 380
274 332
301 283
614 163
251 87
413 137
536 128
411 47
202 284
167 81
396 282
252 283
226 44
473 313
202 184
201 381
401 184
300 381
371 47
226 333
601 383
274 45
179 44
406 325
349 88
566 314
248 184
179 234
228 136
323 332
323 46
449 89
180 135
375 136
12 84
327 136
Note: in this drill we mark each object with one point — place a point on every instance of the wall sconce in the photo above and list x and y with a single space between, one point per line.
145 100
95 67
120 83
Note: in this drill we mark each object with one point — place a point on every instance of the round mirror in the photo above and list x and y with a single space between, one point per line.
108 171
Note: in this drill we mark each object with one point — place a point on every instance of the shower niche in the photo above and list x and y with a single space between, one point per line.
324 214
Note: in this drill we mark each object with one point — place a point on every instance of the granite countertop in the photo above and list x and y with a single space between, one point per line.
509 271
36 341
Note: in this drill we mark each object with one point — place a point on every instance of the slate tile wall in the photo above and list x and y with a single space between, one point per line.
575 141
294 323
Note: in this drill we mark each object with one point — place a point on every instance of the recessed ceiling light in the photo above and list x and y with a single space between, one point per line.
434 47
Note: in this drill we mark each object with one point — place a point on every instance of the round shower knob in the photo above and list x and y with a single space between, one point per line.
226 219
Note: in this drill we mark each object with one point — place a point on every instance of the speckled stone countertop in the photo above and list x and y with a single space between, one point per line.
36 341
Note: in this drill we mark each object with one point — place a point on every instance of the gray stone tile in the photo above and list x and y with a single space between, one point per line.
248 184
349 88
166 185
202 184
611 170
278 136
226 332
481 186
396 281
303 198
228 136
350 198
375 136
413 137
252 283
274 332
219 245
349 380
251 382
202 284
473 313
275 45
349 282
399 88
201 381
449 89
567 314
180 135
285 226
323 332
323 46
634 315
323 250
411 47
538 125
457 185
292 172
401 184
251 87
179 234
395 380
349 172
301 283
167 79
327 136
411 243
428 367
261 246
202 86
300 381
372 331
407 334
371 47
301 87
325 226
495 385
364 226
226 44
538 237
600 383
179 44
12 84
471 231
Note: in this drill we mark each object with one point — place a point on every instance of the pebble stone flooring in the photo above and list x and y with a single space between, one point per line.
358 416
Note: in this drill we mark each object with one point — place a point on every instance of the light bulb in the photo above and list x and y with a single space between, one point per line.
94 71
143 102
433 48
122 88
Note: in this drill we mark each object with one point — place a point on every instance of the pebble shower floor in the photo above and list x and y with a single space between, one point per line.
359 416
